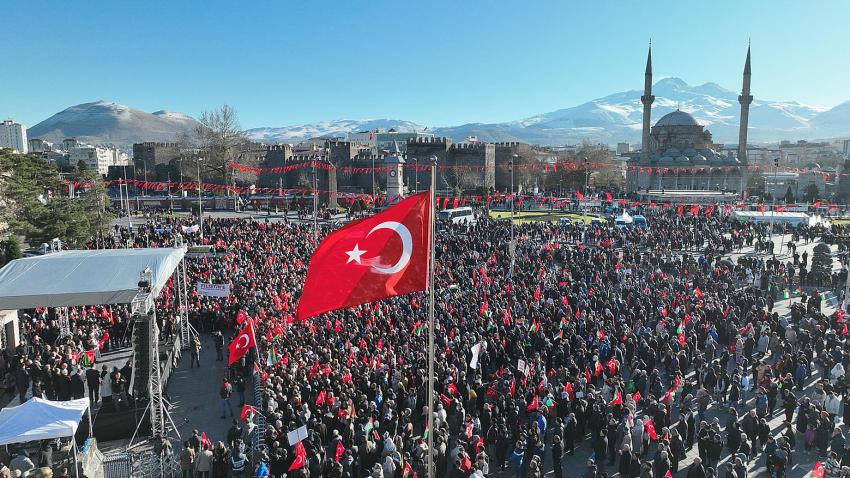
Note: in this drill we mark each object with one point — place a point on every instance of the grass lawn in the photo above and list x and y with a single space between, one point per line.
540 216
841 222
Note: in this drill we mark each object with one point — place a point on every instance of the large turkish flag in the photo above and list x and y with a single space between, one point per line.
370 259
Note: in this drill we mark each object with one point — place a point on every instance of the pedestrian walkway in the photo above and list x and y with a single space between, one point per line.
193 394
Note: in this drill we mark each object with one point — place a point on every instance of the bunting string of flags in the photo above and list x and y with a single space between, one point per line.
444 202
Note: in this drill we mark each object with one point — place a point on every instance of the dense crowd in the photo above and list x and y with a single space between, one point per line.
635 342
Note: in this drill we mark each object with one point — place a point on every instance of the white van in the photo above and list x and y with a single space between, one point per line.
461 215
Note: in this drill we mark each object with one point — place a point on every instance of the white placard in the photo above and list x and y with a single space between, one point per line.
520 364
297 435
213 290
476 349
190 229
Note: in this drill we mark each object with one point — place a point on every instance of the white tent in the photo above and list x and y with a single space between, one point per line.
72 278
40 419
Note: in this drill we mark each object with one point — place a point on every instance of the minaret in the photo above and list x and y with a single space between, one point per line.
744 99
647 100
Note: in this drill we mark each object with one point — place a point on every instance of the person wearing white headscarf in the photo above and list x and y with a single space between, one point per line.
836 373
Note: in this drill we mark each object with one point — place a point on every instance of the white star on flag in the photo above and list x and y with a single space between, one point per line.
354 254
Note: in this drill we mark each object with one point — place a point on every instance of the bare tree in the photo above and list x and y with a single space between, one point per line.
610 179
219 136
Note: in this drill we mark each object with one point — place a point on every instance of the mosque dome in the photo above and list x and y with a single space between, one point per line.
677 118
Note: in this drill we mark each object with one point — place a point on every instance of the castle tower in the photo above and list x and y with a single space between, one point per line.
647 100
744 99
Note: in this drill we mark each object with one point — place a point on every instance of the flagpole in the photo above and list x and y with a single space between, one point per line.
430 427
258 444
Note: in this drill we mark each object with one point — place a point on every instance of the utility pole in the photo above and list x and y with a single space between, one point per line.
512 245
200 199
316 202
170 200
584 206
773 208
127 197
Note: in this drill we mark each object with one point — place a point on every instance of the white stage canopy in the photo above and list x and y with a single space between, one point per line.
71 278
40 419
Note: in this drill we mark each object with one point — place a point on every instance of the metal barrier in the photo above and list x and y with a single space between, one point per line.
118 466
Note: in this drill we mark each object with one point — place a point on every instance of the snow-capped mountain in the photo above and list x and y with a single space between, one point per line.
617 117
337 129
103 122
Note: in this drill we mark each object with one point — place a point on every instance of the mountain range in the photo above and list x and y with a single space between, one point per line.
611 119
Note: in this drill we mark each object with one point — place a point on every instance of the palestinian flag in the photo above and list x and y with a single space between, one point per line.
272 358
87 357
618 399
698 293
417 328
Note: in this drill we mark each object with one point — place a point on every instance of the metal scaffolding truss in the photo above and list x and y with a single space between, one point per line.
186 330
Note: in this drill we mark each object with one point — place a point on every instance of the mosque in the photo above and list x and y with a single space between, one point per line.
678 154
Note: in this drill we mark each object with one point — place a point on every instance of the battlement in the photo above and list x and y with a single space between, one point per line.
336 142
158 144
278 147
429 140
509 144
469 146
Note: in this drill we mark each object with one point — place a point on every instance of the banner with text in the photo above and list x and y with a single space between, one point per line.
213 290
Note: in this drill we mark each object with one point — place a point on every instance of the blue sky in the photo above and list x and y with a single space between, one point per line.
435 62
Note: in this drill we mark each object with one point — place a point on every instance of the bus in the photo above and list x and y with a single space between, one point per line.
461 215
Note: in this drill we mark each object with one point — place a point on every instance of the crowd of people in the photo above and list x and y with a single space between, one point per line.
627 345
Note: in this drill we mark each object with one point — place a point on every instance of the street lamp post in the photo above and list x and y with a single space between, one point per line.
316 201
200 199
773 208
127 198
512 246
584 206
416 174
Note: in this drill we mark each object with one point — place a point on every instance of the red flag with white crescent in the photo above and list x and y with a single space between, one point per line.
242 343
381 256
300 457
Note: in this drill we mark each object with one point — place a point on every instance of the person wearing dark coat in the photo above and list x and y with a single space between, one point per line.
629 463
22 381
600 448
570 434
93 381
697 469
661 465
78 386
557 453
